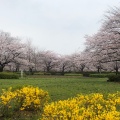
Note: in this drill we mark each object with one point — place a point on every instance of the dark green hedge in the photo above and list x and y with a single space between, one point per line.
19 74
38 73
8 75
101 75
46 73
114 78
86 74
72 74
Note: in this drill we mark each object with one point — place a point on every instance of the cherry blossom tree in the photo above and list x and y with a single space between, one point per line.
48 60
80 61
112 26
29 56
10 49
64 64
103 48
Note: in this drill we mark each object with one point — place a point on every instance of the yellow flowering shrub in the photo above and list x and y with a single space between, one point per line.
27 98
85 107
32 98
7 96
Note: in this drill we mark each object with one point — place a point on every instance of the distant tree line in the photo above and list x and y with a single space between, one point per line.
102 52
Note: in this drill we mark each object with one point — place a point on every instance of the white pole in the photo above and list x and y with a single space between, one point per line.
21 73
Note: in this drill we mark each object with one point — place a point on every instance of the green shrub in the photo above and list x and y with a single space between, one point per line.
86 74
57 73
99 75
29 73
73 74
38 73
46 73
19 73
114 78
8 75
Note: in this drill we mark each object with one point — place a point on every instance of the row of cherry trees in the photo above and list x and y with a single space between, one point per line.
104 46
16 56
102 52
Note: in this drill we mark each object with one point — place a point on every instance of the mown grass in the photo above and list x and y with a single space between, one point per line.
63 87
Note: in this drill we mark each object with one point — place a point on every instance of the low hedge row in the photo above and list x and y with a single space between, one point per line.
86 74
114 78
101 75
38 73
73 74
19 74
97 75
8 75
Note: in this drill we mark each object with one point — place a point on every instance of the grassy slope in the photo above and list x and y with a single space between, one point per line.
61 88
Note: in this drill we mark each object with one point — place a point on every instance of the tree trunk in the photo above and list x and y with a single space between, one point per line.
48 69
116 68
30 71
98 69
116 71
1 68
63 70
82 69
17 68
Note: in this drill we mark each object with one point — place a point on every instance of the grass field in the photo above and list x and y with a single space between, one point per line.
64 87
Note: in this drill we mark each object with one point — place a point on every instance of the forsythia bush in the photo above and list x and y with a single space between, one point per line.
27 98
85 107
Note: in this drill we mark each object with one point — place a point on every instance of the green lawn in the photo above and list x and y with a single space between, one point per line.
64 87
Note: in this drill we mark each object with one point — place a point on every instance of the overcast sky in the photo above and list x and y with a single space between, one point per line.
56 25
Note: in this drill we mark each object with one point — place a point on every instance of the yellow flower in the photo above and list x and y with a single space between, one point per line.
28 98
84 107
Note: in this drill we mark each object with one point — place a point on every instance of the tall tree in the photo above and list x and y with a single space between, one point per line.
64 64
49 60
10 49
